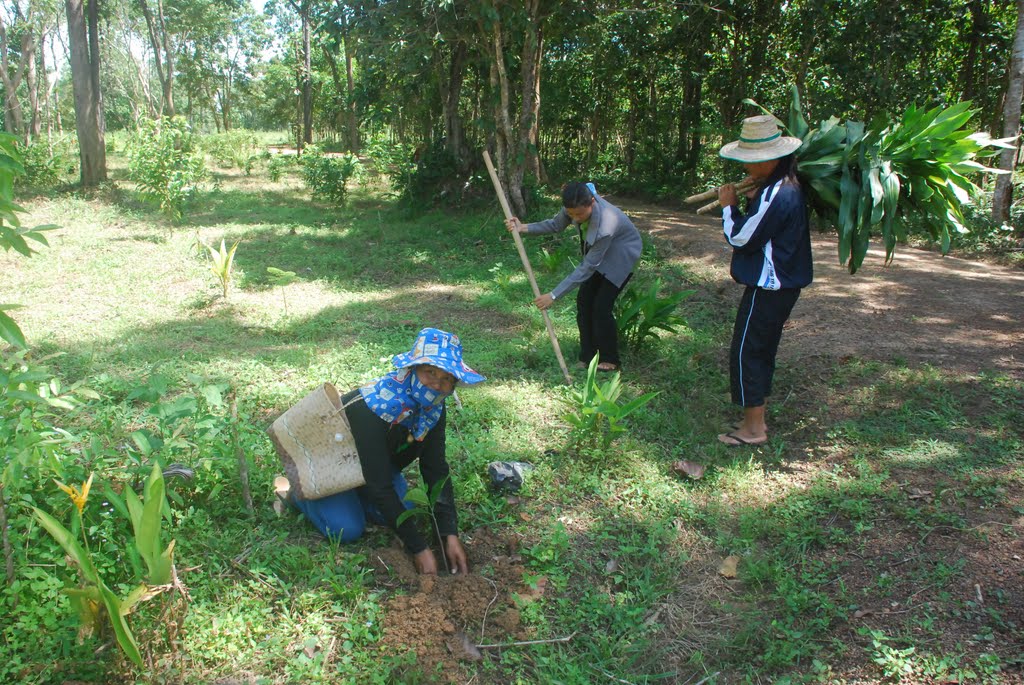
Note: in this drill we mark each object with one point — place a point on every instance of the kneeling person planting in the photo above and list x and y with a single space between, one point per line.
396 420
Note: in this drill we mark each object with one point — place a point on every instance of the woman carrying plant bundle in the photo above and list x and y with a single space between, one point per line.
396 420
610 246
771 256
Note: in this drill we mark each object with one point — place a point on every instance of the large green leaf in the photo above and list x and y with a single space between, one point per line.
10 331
70 544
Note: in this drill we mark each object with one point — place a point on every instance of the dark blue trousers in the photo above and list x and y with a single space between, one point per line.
755 342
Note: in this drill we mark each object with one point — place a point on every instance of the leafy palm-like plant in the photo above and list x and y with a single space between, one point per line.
861 178
222 264
595 414
640 313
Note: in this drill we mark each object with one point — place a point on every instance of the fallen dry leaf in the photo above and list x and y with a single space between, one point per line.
612 566
861 613
728 567
464 649
690 469
531 594
524 516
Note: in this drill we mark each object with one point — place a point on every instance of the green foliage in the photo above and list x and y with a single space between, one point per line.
595 414
146 521
166 163
640 312
394 160
425 502
237 148
13 236
327 176
146 516
278 164
47 161
222 265
861 178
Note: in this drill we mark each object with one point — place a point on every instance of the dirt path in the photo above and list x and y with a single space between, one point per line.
961 315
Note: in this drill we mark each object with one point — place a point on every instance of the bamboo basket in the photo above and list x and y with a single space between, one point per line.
316 447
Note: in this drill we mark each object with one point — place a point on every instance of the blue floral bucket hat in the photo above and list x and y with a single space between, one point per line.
441 349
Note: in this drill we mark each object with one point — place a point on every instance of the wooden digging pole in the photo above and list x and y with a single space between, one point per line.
526 264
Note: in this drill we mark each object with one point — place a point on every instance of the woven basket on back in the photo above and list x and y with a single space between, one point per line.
316 446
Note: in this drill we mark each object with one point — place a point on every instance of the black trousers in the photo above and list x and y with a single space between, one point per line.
595 302
755 342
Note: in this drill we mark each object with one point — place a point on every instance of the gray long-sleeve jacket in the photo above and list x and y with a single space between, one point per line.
613 245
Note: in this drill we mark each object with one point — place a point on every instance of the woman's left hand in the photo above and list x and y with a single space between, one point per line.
457 560
544 301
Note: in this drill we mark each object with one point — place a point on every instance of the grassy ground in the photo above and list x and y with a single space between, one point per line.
860 531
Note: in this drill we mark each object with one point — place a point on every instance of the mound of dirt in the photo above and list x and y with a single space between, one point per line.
445 618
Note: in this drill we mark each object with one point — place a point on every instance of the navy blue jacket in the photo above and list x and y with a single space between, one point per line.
771 242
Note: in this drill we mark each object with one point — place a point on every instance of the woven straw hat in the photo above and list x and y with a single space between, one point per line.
440 349
760 141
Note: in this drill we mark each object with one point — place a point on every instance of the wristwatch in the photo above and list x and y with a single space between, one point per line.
553 298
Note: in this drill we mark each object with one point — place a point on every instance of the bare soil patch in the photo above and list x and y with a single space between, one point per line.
443 619
923 308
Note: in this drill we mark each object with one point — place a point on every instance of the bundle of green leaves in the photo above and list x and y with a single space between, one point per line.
861 179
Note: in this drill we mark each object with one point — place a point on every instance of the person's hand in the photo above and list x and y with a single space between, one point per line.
457 560
514 225
426 564
727 195
544 301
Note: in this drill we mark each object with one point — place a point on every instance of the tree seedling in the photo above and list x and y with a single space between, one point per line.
424 502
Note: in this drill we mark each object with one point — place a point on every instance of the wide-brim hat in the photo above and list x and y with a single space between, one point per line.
441 349
760 140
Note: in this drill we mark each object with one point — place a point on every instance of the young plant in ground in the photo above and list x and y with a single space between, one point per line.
327 176
425 502
222 264
164 161
640 312
595 413
281 278
95 603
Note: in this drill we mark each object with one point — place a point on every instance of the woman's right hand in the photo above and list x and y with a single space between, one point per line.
514 225
426 564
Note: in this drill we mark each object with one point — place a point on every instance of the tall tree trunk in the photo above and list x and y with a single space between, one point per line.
32 83
503 123
979 21
451 95
14 117
1003 194
84 49
528 115
163 57
307 78
350 92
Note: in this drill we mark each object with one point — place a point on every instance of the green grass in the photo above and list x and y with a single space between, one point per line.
122 295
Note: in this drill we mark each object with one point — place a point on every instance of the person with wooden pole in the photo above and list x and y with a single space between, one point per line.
771 256
610 246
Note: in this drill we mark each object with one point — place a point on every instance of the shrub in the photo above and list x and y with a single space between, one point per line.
164 161
47 161
640 313
237 148
327 176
